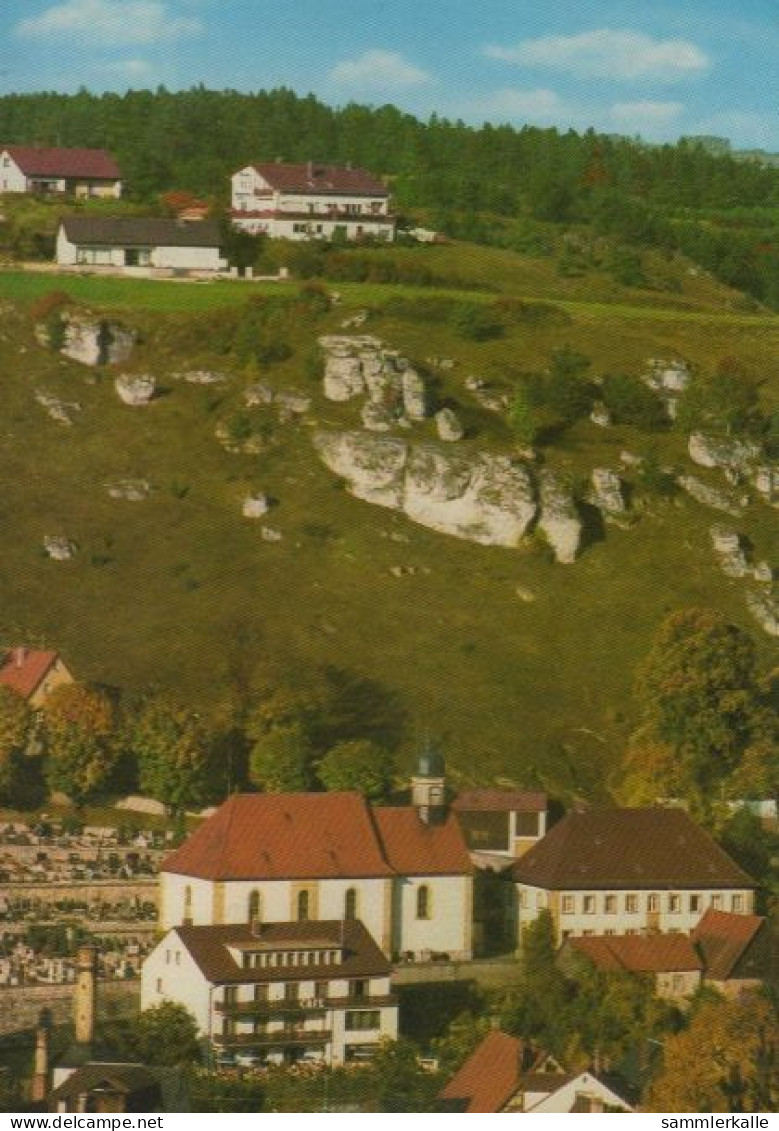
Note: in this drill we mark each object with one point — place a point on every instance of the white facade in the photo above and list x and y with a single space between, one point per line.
621 912
585 1087
402 920
331 1018
13 179
138 259
260 209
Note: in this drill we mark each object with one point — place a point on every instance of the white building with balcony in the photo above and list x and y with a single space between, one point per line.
311 201
285 992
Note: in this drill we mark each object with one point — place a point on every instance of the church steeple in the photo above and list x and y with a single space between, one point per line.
428 784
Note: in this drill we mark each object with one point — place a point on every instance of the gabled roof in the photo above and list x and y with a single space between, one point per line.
722 938
499 801
118 1077
490 1076
314 177
210 949
277 836
152 231
413 848
23 670
639 954
628 848
52 162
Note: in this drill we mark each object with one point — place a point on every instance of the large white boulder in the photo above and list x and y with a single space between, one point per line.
559 519
135 390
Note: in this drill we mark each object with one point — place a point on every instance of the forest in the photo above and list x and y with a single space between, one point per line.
488 184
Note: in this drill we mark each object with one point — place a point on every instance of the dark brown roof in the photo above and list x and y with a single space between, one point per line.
209 948
413 848
118 1077
314 177
50 162
23 669
722 938
152 231
639 954
499 801
628 848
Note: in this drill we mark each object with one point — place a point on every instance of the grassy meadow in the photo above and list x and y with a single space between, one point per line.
181 591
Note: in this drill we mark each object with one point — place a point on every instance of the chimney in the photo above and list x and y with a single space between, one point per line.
19 656
86 994
40 1079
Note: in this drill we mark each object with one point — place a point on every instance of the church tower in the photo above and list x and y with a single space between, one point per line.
428 785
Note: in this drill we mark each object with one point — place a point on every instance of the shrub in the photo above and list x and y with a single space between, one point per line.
476 323
630 401
49 303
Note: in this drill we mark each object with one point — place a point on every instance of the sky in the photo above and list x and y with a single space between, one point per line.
654 68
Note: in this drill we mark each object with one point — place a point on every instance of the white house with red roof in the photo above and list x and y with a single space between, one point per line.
76 172
311 201
281 992
33 674
404 872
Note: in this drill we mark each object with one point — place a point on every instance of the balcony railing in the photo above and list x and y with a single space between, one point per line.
278 1005
279 1039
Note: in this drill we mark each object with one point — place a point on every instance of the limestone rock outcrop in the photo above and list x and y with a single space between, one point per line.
607 493
764 607
722 500
59 410
414 395
727 454
486 498
131 490
448 426
559 519
59 548
90 340
135 390
255 506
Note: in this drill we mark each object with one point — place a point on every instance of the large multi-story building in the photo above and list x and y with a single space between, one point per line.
285 992
311 201
628 872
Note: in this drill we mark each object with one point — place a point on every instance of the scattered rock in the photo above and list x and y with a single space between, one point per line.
259 394
600 415
767 483
58 548
441 362
201 377
672 376
357 320
448 425
526 595
607 492
403 571
58 410
725 540
714 451
559 519
293 402
131 490
270 534
486 498
764 607
135 390
90 340
250 445
255 506
630 459
763 572
376 417
414 395
721 500
475 384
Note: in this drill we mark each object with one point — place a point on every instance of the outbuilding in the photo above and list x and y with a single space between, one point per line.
140 245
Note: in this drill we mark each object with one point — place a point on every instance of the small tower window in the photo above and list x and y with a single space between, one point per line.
350 904
304 903
423 902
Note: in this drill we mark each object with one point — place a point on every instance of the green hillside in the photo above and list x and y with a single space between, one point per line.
180 591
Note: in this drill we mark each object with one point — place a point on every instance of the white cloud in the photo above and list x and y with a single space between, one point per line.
640 115
544 107
379 69
110 22
607 53
129 68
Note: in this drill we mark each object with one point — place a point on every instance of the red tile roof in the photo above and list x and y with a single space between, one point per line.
209 947
23 670
314 177
628 848
48 162
490 1076
413 848
283 836
639 954
722 938
499 801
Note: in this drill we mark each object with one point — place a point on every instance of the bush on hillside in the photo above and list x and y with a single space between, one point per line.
630 401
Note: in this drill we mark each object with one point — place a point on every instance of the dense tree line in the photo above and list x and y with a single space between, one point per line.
465 178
